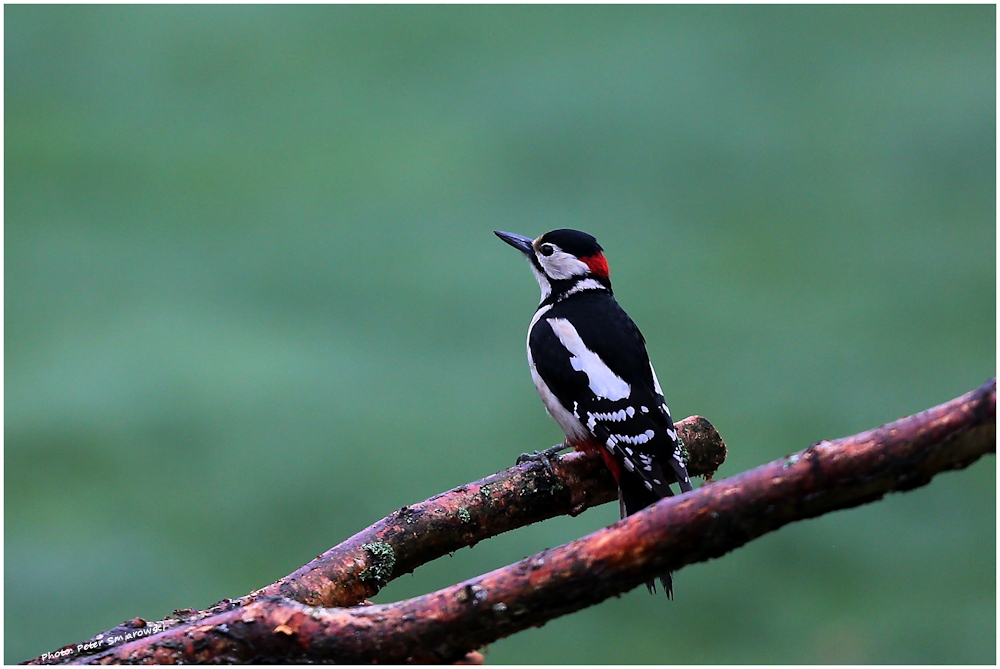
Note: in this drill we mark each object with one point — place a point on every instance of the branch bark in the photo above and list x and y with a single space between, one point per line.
355 569
709 522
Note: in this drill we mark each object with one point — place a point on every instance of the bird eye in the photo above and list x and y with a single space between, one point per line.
546 249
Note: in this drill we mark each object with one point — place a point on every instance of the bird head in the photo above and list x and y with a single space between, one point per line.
563 260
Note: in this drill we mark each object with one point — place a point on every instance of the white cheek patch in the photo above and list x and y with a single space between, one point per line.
562 265
602 381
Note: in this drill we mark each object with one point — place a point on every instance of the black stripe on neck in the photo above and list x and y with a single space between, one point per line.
564 288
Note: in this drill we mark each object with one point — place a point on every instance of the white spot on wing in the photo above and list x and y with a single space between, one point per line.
635 440
613 417
602 381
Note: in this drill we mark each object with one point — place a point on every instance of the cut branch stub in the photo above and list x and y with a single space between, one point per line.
705 448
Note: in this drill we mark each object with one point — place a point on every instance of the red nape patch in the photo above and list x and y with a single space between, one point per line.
598 265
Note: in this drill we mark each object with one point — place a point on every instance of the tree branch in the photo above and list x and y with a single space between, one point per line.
703 524
355 570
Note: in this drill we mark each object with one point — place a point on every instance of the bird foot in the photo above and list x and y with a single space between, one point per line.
545 457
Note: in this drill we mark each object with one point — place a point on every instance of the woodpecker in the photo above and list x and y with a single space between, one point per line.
589 363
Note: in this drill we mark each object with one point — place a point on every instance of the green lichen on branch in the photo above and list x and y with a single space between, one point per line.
381 560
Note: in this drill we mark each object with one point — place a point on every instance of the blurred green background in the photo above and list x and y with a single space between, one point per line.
254 303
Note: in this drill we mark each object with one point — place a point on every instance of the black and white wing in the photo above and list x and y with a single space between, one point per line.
592 358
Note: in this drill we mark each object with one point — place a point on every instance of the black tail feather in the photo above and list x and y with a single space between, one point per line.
632 497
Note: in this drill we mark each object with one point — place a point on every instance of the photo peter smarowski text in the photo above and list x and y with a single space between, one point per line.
112 640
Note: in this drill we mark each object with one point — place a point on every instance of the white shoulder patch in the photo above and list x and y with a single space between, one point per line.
602 381
569 422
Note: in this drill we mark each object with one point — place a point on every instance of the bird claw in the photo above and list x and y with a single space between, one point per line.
545 457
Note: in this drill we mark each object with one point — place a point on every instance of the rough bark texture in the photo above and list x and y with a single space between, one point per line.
354 570
709 522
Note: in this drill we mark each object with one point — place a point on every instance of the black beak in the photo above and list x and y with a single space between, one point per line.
522 244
